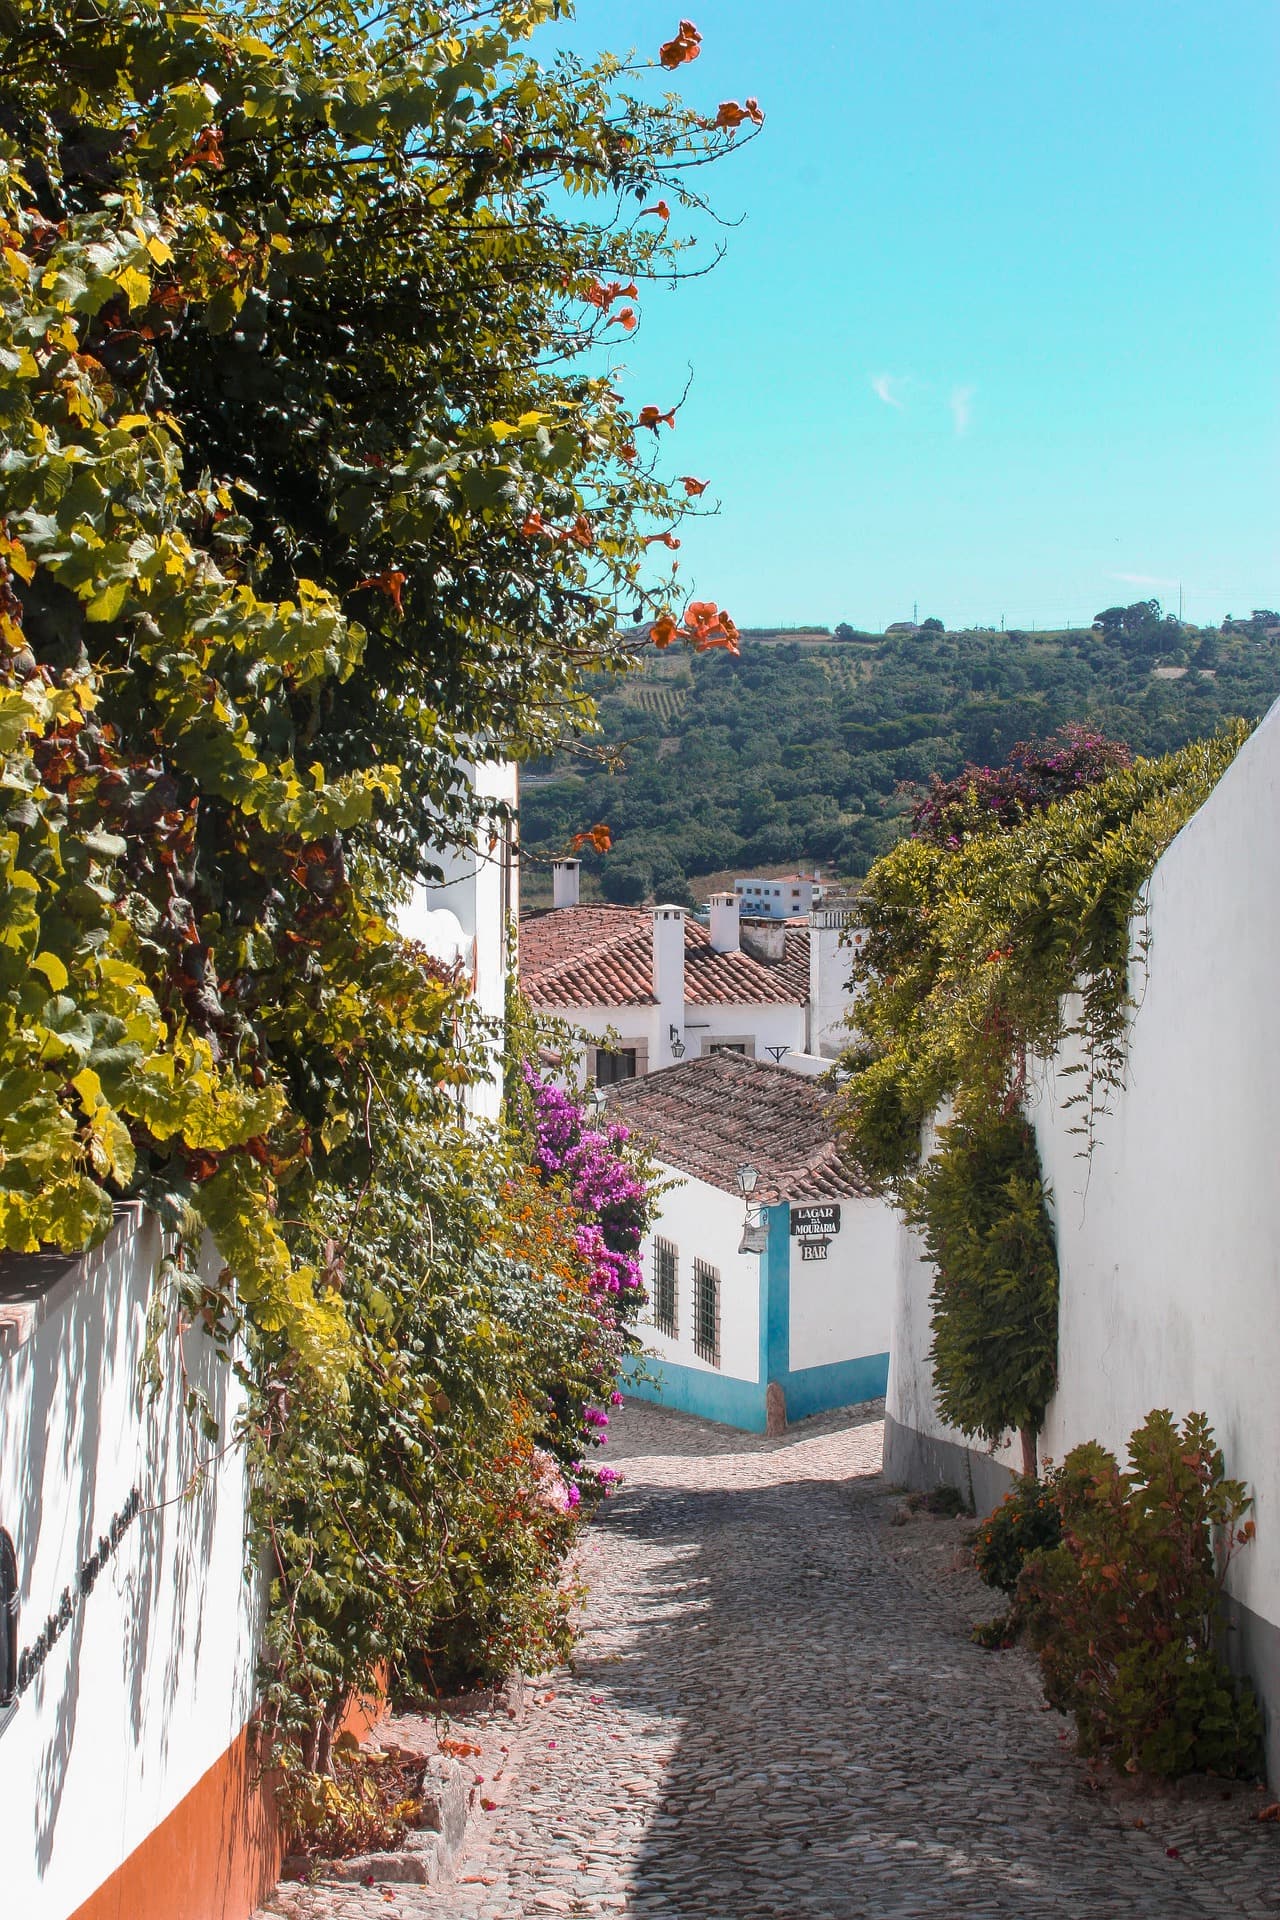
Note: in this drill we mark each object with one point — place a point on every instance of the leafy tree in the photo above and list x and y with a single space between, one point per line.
626 884
311 493
931 625
993 799
308 497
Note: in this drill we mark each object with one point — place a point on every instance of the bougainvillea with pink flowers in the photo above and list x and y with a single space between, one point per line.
610 1187
605 1177
1036 774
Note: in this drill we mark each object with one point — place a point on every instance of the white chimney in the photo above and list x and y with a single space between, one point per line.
668 980
724 922
564 882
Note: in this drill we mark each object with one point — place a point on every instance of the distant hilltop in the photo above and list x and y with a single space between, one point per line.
806 749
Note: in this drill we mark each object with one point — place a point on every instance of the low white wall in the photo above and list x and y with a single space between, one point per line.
842 1307
704 1223
1169 1234
150 1675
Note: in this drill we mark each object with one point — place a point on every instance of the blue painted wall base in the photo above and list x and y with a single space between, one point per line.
712 1396
741 1403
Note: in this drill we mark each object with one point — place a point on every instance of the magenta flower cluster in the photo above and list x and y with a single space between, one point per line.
604 1185
1037 773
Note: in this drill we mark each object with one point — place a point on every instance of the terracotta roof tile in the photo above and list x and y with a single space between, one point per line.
707 1116
592 956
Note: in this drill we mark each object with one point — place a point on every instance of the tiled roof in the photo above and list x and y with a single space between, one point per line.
598 956
707 1116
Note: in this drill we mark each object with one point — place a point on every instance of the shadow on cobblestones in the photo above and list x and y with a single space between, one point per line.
844 1748
774 1714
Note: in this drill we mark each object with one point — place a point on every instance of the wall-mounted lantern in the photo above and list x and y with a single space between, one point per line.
755 1231
677 1044
595 1100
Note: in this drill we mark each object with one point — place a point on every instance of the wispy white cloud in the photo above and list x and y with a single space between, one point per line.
887 387
1145 580
961 405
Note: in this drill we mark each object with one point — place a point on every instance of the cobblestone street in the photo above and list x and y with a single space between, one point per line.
775 1713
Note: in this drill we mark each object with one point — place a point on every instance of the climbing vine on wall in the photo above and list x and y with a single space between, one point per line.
999 931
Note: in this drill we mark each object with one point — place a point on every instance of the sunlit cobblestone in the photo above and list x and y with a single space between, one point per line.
775 1713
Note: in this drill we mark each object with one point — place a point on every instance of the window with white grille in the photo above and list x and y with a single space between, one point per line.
664 1288
706 1312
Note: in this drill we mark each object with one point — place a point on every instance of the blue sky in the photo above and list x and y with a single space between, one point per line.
997 334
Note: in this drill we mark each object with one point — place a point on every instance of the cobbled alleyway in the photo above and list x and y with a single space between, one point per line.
774 1714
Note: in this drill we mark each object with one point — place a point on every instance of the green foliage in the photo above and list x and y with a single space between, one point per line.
797 751
1124 1613
980 1207
306 499
1027 1521
985 948
1002 947
418 1522
312 493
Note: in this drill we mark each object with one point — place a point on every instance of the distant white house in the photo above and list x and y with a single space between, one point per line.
648 986
778 1300
778 898
467 919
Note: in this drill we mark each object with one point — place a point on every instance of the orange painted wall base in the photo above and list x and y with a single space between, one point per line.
216 1857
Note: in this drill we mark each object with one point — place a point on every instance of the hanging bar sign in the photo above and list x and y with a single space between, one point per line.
815 1223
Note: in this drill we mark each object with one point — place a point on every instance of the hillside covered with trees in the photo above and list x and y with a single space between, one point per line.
800 749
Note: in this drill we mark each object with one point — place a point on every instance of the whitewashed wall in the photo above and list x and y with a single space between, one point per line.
152 1678
1169 1236
768 1023
833 943
706 1224
636 1027
842 1307
480 890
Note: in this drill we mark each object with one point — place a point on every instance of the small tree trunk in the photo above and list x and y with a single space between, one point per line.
1027 1435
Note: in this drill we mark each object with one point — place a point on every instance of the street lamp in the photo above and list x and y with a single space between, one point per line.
755 1230
677 1044
595 1100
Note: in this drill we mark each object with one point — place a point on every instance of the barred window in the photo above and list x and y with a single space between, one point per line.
706 1312
664 1287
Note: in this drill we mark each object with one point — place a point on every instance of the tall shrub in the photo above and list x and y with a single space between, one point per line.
980 1206
311 492
1126 1612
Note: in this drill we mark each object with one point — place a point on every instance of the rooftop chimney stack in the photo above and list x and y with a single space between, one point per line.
725 931
564 882
668 978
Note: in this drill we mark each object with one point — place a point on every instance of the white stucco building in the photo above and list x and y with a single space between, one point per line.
773 897
648 986
467 919
791 1316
